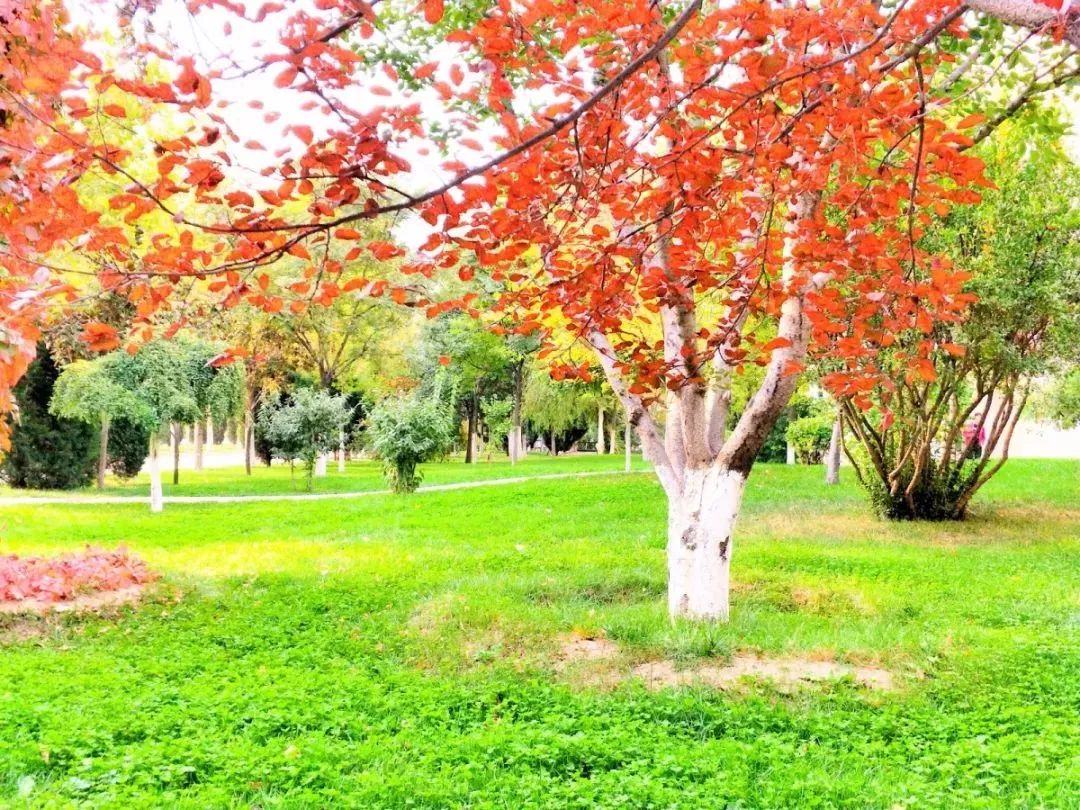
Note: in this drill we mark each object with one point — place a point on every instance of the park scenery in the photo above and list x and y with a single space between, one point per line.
540 404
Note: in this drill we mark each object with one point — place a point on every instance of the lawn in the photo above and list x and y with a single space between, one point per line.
359 476
396 652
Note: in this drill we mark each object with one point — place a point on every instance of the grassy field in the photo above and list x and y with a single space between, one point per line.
397 652
359 476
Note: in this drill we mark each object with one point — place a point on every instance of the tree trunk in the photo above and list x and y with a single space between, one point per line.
103 451
832 458
469 457
554 447
611 448
178 436
249 431
790 453
600 449
515 442
341 452
320 465
701 524
200 438
627 441
156 501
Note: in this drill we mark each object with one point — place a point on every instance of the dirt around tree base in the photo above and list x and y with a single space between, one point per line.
88 603
601 662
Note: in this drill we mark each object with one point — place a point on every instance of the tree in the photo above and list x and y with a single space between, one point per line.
305 428
1064 404
157 376
407 431
48 450
477 361
89 391
218 388
718 175
941 429
554 407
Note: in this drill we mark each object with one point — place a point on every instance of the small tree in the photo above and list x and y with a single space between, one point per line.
499 418
305 428
88 390
48 450
940 431
407 431
810 437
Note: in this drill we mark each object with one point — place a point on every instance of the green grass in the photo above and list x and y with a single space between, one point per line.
399 652
359 476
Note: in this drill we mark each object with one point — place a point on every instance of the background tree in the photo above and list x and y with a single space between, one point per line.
48 450
305 428
89 391
556 408
409 430
929 441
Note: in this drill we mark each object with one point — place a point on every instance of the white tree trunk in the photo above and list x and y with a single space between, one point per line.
790 453
320 465
156 501
341 452
701 526
627 437
832 458
200 439
600 448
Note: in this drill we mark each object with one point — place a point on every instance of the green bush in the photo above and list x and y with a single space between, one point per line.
407 431
129 444
810 436
47 452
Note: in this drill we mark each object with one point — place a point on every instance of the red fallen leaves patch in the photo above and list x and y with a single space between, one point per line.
69 576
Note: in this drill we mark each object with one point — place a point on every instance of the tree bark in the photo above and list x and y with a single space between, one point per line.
701 525
341 452
600 448
320 466
200 438
516 441
156 500
103 451
249 429
627 440
178 436
554 447
832 458
470 431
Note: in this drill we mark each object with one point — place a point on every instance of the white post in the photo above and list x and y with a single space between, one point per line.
156 500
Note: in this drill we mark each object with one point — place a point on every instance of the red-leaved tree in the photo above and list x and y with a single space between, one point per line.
685 187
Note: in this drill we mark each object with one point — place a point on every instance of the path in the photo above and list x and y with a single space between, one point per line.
309 496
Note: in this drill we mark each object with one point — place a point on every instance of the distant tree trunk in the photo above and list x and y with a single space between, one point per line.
178 436
249 430
832 458
627 440
103 451
600 449
612 448
469 457
341 452
200 438
517 441
156 500
320 467
790 453
554 446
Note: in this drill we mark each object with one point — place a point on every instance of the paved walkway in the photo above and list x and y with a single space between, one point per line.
29 500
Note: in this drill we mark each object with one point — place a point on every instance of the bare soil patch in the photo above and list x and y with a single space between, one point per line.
601 662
